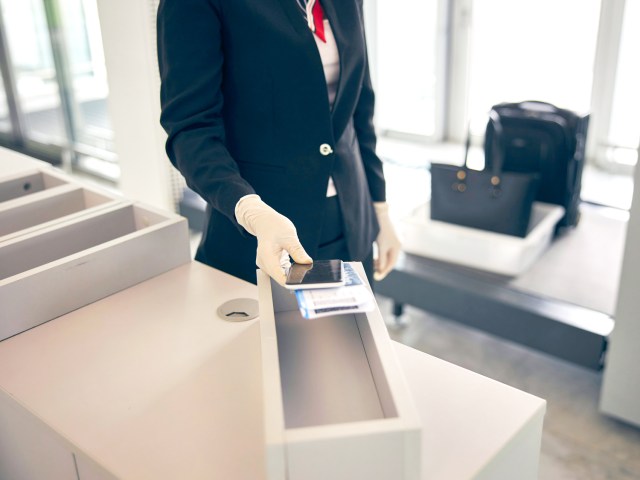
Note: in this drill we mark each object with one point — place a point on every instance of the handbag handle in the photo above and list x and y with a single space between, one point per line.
496 140
497 151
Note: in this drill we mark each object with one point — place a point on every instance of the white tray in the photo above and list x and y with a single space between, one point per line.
54 270
481 249
33 183
336 402
28 213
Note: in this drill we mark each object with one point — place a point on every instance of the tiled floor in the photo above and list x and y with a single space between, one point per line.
578 442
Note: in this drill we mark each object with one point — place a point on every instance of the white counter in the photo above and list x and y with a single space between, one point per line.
149 384
14 163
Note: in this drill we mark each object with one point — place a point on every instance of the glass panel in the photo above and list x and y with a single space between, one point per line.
5 121
406 66
32 62
542 50
87 73
625 118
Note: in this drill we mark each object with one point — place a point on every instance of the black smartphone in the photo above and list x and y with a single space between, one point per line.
319 274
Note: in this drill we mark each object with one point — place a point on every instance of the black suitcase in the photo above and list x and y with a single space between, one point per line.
541 138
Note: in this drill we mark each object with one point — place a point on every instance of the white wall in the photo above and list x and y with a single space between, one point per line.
128 35
621 388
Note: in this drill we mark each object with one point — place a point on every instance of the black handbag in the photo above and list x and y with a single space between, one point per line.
490 199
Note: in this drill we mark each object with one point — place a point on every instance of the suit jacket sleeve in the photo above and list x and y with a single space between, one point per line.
365 131
190 56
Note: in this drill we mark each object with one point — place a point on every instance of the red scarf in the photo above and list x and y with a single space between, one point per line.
314 14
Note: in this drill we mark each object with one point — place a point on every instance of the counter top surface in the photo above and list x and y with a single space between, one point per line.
151 384
14 163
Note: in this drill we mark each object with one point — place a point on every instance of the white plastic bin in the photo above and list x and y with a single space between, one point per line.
30 183
55 270
481 249
26 214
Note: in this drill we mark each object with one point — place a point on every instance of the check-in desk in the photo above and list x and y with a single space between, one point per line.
115 364
149 383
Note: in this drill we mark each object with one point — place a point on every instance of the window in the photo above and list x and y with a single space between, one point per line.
29 49
521 51
441 69
58 81
87 73
406 79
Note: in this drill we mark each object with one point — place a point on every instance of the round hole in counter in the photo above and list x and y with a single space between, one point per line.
26 186
239 310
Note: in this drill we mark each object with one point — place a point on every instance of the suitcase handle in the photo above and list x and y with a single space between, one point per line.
539 105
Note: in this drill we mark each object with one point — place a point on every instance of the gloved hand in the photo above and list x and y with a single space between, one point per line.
388 242
276 234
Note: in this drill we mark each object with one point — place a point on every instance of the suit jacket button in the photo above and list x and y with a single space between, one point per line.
325 149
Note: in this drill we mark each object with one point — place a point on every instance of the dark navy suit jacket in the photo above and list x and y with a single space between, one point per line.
245 106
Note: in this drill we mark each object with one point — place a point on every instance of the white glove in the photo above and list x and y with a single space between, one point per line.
276 234
387 242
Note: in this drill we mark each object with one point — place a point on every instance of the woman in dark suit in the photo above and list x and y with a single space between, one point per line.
268 107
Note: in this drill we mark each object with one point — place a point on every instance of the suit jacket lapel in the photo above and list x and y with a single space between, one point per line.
337 11
338 15
292 10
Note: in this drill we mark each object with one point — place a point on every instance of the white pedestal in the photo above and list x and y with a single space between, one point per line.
150 384
621 388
